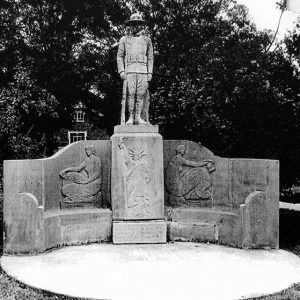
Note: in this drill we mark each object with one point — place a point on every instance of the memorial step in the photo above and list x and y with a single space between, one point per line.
139 232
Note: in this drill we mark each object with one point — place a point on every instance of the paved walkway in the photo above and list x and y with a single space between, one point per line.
170 271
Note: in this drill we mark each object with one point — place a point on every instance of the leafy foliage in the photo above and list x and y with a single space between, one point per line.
214 81
26 111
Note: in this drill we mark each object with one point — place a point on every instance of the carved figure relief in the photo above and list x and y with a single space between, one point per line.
82 183
188 182
137 178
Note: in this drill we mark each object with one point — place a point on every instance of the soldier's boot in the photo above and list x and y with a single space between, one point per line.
130 120
130 109
140 121
147 118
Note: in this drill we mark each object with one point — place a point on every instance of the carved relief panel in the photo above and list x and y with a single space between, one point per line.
137 179
137 168
82 184
188 180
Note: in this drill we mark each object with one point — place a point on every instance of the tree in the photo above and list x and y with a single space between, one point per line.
26 114
214 82
291 107
59 49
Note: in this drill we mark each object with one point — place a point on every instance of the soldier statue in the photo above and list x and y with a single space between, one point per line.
135 66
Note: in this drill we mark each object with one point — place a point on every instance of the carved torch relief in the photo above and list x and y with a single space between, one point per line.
137 180
189 182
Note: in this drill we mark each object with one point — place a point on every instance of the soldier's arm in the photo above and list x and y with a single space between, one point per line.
194 164
121 55
150 57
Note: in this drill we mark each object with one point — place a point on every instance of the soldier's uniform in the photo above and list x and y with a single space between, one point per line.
135 59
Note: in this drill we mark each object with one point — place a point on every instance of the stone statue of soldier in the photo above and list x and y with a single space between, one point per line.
135 66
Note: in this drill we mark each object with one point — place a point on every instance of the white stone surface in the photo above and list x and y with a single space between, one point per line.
169 271
290 206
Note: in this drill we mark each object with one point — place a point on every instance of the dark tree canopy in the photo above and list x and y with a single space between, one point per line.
214 82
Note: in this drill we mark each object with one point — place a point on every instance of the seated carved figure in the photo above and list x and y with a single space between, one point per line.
188 181
82 183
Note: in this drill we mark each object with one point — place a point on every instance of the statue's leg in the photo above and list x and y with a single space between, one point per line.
131 86
143 113
142 86
146 104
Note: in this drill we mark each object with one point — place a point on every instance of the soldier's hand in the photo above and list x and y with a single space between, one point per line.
149 78
121 142
122 75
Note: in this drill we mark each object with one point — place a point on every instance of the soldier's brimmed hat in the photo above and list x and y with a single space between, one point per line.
135 19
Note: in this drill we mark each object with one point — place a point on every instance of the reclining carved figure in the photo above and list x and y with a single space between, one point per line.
82 183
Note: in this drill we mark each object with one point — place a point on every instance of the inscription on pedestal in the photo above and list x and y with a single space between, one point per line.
148 232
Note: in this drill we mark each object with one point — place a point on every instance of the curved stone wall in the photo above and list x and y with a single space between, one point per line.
207 198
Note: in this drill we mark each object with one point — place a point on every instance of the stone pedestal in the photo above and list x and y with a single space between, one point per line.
139 232
137 190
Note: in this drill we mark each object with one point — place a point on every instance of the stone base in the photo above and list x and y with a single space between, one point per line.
139 232
174 271
136 129
137 179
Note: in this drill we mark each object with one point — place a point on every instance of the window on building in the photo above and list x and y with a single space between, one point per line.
75 136
79 116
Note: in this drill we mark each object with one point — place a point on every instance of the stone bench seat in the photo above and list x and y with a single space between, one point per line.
229 201
243 227
216 225
78 225
41 230
206 198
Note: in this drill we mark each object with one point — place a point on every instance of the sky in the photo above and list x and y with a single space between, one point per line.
265 15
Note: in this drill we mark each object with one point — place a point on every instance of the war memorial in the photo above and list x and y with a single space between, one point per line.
139 191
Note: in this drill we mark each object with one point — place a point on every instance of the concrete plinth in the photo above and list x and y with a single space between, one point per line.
137 184
143 232
160 271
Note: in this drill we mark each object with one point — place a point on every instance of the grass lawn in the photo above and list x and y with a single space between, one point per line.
10 289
